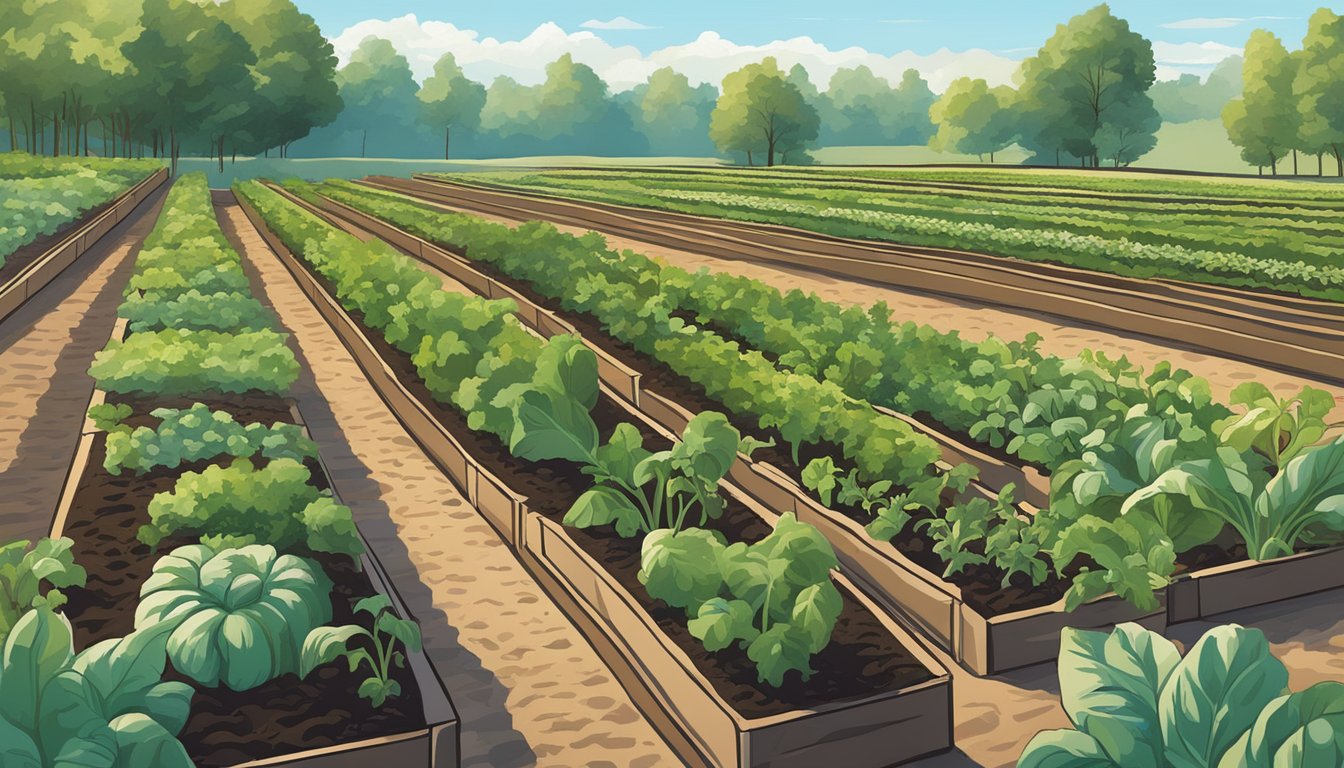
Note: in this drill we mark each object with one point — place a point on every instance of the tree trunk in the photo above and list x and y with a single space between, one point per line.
1056 157
364 143
1294 162
770 154
1320 170
749 161
991 158
446 131
1339 162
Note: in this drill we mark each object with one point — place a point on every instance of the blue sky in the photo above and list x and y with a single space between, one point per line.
880 27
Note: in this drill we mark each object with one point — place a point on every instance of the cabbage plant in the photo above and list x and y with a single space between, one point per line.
1135 703
106 707
23 572
235 616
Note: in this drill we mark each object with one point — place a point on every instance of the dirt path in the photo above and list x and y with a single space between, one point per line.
528 688
45 349
976 321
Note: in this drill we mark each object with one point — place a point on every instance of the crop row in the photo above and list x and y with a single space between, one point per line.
1289 253
772 597
38 196
246 594
1134 455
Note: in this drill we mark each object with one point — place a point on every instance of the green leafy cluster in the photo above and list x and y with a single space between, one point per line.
236 617
105 707
196 311
1136 703
774 598
182 362
378 650
240 505
24 571
196 433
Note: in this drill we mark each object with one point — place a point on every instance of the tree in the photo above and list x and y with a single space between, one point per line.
1264 121
1091 72
1318 87
378 91
1188 98
972 118
1130 133
760 109
672 115
450 100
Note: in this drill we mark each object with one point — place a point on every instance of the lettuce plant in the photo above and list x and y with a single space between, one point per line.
106 706
774 598
1135 703
378 650
198 433
239 505
234 616
24 571
1304 501
1277 429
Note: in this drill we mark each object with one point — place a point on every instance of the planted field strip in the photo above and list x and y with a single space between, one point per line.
985 645
1298 335
41 271
434 746
697 720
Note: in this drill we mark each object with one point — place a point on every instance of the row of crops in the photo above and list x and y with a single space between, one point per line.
1141 461
203 571
1280 237
40 195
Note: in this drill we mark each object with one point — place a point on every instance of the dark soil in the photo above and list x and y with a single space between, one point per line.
283 716
19 260
863 659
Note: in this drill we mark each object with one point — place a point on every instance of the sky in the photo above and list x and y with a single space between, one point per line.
704 39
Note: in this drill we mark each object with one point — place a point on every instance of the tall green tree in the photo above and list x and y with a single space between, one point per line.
973 119
1190 98
673 115
449 100
1093 71
760 110
378 91
1318 87
1264 122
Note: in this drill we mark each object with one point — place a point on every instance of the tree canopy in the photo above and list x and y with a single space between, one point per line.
763 111
1264 121
973 118
449 100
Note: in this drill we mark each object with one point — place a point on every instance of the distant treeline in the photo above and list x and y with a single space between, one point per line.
254 77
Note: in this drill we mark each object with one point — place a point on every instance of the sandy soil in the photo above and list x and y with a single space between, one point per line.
45 349
528 688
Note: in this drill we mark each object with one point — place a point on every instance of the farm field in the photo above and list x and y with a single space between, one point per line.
1140 225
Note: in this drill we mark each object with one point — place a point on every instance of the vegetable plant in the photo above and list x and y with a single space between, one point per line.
24 571
105 706
378 650
237 617
1304 501
774 598
196 433
184 362
1136 703
240 505
1277 429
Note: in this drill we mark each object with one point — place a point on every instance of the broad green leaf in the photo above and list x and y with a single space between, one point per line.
1109 686
97 748
1298 730
169 703
708 447
405 630
568 368
38 647
374 604
719 622
17 749
778 651
326 644
1307 493
378 691
622 453
605 505
819 476
682 568
815 613
550 426
1064 749
1216 693
141 741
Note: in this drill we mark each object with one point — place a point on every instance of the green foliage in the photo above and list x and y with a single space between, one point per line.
774 598
182 362
197 433
1278 429
41 195
108 417
1134 702
196 311
24 571
449 100
105 706
236 617
973 118
240 505
379 650
764 111
1264 121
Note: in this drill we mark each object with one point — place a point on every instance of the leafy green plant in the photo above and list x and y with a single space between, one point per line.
957 531
379 650
1304 501
774 598
107 416
197 311
23 572
234 616
1135 703
184 362
1278 429
820 476
240 505
198 433
106 706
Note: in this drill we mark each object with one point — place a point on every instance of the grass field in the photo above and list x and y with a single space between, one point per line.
1277 235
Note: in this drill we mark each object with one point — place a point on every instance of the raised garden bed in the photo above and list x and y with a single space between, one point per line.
315 721
35 265
721 714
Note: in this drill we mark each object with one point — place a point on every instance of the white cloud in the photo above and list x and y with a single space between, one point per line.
1223 22
704 60
1192 54
620 22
